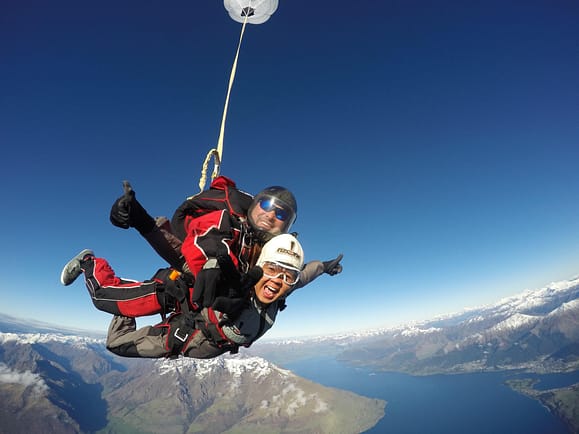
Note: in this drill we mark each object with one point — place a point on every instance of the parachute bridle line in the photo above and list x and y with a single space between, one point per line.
217 153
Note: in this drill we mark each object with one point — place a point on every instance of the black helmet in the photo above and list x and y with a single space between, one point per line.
280 199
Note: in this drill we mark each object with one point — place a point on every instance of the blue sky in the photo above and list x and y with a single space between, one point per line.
435 144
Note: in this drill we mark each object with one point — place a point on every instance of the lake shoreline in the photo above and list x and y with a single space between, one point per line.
562 402
447 403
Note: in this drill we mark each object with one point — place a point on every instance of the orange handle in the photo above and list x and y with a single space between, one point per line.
174 275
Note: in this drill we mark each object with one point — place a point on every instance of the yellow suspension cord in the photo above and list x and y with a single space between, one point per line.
217 153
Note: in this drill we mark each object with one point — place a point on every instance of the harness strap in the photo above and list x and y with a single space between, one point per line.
174 295
183 326
180 331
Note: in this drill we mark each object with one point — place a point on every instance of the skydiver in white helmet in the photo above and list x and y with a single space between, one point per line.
224 230
208 332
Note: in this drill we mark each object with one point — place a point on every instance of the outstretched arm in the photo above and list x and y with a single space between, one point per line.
313 269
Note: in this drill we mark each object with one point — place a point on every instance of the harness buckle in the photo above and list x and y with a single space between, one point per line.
181 338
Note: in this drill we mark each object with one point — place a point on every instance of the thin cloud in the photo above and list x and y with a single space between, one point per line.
26 378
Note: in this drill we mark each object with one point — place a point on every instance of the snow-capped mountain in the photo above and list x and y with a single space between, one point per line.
64 383
536 330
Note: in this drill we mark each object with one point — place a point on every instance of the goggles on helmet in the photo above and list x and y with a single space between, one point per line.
269 204
273 270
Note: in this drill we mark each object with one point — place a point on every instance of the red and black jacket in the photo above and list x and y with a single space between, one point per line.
214 222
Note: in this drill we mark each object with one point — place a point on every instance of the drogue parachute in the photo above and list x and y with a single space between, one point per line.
252 11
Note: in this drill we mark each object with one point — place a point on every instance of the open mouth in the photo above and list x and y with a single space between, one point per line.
269 292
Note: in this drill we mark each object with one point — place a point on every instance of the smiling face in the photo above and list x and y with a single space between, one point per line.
266 221
270 289
273 210
281 260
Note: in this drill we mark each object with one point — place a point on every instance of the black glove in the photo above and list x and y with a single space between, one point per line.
127 212
239 284
333 267
207 285
119 216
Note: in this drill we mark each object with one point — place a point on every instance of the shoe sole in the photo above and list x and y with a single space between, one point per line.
66 270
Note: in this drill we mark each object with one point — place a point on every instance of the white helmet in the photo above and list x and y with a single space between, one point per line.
284 250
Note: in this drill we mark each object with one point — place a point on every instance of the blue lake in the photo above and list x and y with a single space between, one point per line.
441 404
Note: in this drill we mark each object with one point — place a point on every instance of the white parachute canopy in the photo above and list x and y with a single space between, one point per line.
255 11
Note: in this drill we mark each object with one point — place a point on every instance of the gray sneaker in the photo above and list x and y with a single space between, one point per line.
72 268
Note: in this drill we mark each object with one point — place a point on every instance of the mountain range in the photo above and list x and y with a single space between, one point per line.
537 331
60 382
54 380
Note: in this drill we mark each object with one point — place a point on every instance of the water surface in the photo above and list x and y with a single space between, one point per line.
440 404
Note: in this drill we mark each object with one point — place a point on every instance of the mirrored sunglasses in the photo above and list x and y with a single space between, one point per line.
269 205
